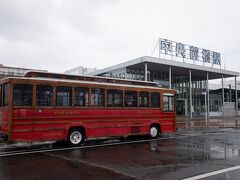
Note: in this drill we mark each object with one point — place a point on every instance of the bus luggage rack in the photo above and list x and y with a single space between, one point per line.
89 78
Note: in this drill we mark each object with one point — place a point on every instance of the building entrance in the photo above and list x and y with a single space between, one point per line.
181 107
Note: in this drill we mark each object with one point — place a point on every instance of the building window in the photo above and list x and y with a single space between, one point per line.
64 96
6 93
155 100
81 96
22 94
130 99
44 95
143 99
97 97
168 101
114 98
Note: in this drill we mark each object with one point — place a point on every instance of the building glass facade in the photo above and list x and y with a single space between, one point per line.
181 83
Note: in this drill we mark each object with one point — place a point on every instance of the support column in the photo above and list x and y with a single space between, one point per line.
222 97
170 77
145 72
236 98
207 96
190 91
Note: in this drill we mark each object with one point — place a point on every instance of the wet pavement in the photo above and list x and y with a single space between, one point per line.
176 157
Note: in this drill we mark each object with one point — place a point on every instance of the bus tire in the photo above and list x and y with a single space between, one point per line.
75 137
153 131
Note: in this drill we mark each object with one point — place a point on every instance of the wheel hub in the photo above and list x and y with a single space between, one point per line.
75 137
153 132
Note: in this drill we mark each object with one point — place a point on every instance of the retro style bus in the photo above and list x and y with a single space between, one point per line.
51 107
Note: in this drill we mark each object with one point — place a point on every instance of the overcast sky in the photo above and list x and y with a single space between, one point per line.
57 35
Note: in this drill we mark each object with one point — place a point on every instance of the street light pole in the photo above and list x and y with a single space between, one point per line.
205 101
205 94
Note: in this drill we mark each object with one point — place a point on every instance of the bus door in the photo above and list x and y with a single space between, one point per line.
169 111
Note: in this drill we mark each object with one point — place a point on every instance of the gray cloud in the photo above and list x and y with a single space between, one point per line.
58 34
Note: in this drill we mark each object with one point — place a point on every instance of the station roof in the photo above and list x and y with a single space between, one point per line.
180 68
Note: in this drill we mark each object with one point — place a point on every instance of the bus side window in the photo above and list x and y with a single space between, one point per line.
114 98
6 93
22 94
44 95
81 96
130 99
155 100
168 101
143 99
97 97
63 96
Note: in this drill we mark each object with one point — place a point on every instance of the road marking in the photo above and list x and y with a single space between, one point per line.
213 173
23 152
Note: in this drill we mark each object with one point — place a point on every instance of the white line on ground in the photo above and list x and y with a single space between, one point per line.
213 173
5 154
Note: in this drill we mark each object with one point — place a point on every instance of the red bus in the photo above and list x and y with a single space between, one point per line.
50 107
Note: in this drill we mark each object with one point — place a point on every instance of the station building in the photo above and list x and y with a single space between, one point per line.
191 81
9 71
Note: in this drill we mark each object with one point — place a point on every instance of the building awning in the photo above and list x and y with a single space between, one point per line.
180 68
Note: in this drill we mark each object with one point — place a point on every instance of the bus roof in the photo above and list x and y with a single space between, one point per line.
84 82
88 78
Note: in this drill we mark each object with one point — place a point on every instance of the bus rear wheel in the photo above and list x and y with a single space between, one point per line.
75 137
154 131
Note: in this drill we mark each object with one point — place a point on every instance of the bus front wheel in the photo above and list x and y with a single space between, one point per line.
75 137
154 131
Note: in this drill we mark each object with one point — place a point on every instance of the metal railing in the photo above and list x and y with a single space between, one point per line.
231 122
